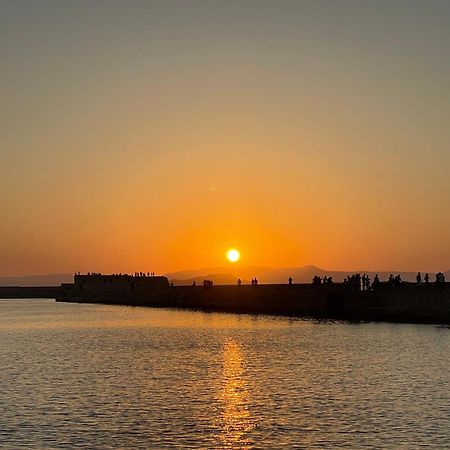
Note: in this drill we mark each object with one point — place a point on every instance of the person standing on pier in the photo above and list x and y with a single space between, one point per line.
376 282
419 278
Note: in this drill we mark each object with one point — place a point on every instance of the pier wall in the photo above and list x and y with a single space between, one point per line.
408 303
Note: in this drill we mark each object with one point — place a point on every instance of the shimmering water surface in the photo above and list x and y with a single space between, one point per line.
97 376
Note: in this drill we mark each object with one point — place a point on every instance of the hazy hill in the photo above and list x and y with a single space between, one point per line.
279 275
217 278
222 275
37 280
207 271
225 275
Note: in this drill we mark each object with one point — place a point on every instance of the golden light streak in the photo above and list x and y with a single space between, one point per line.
236 421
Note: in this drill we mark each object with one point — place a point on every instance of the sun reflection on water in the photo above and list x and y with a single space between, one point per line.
235 420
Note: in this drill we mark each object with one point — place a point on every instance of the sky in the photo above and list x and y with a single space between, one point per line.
155 135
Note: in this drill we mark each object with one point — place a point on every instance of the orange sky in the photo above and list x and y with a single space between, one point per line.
154 136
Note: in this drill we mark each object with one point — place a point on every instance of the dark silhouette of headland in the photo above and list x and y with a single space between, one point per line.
358 298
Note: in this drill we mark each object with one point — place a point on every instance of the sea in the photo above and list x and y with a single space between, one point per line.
116 377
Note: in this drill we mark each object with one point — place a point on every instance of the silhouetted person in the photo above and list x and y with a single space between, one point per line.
194 283
290 281
376 282
419 279
440 279
391 280
367 283
427 278
239 282
398 281
358 281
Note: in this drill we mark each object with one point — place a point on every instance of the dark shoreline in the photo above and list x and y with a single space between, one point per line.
29 291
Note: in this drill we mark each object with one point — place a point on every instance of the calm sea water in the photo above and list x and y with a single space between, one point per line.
96 376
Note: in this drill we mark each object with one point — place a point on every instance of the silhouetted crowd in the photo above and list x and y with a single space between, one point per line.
358 282
395 281
207 284
144 274
317 281
115 275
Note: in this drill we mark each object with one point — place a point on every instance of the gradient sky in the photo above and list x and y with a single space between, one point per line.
154 135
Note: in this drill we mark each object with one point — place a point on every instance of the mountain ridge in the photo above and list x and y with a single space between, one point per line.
228 275
280 275
54 279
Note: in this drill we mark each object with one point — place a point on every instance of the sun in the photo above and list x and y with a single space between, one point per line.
233 255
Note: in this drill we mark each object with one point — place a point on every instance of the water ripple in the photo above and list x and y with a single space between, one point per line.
96 376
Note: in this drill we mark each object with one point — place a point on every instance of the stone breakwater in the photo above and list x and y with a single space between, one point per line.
407 303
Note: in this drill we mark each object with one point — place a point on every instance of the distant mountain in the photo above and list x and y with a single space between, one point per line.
227 275
269 275
217 278
37 280
222 275
207 271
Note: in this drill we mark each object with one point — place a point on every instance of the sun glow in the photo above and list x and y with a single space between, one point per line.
233 255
